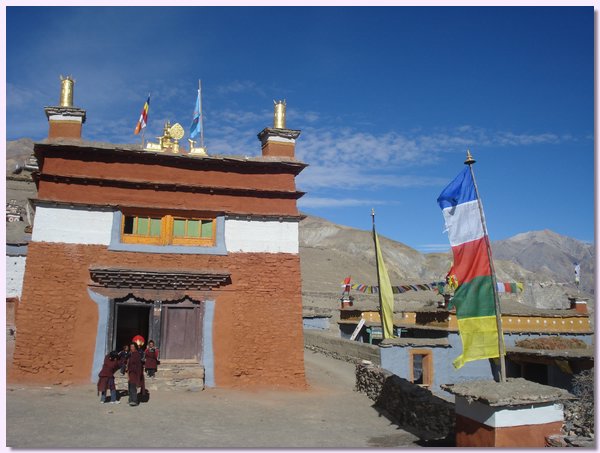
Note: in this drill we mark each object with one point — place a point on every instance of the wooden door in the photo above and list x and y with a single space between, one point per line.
182 336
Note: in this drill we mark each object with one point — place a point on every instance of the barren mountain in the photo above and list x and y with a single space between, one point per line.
17 152
551 255
330 252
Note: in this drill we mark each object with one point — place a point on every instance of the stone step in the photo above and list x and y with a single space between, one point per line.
171 376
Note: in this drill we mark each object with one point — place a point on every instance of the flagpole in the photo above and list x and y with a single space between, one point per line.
470 161
378 276
201 115
144 128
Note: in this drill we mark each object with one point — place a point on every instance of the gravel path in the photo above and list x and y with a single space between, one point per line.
329 414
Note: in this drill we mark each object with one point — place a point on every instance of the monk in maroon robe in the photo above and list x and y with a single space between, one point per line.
135 372
152 361
106 376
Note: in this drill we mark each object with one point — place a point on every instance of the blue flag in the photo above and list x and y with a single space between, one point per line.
195 127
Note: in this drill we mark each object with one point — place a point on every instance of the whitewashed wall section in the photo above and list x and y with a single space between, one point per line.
503 416
15 270
72 226
81 226
261 236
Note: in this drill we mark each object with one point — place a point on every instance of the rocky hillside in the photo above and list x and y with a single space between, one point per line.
551 255
17 152
330 252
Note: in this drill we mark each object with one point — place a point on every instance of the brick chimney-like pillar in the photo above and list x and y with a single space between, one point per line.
278 141
64 120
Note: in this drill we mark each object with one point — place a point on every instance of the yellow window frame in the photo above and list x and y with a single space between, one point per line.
135 238
188 240
166 236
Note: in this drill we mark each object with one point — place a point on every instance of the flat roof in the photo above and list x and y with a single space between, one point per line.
582 353
513 392
136 149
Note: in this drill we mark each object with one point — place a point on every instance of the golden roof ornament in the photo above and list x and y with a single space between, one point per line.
196 151
169 140
279 114
66 91
176 131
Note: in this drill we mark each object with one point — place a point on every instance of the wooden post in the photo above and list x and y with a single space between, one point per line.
470 161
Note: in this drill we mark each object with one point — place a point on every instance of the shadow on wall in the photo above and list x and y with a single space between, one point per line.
411 407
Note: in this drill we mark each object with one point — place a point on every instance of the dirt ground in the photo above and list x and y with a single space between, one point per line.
329 414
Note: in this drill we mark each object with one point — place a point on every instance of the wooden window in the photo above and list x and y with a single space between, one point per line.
421 367
142 229
167 230
193 231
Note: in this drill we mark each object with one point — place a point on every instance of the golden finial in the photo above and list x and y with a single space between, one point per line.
279 115
470 159
66 91
200 151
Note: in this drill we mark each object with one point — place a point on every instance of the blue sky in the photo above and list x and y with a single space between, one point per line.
388 99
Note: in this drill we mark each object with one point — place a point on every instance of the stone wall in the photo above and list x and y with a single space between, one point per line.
339 348
257 328
413 408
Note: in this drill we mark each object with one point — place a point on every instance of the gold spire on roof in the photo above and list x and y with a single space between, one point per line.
66 91
279 115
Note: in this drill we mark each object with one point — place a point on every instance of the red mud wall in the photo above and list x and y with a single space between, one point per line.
470 433
257 329
64 129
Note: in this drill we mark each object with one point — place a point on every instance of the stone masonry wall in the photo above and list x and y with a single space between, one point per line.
257 327
340 348
414 408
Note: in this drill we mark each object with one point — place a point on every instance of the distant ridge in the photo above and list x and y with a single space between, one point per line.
550 254
330 252
17 152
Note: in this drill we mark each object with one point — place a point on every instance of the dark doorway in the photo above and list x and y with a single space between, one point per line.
536 372
131 320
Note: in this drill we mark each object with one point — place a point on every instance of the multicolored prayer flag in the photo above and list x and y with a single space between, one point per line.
141 124
509 287
474 297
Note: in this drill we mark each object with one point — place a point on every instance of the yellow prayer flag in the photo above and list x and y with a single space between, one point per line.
386 296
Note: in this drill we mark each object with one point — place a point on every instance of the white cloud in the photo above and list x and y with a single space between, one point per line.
344 158
324 202
243 117
18 97
345 176
298 116
240 86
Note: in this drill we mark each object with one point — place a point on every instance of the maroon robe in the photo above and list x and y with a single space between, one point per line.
108 370
151 358
135 369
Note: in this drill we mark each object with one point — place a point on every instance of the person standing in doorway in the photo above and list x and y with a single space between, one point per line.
123 356
135 372
152 361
